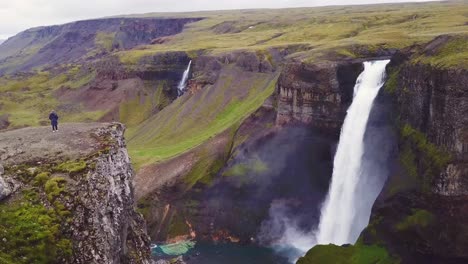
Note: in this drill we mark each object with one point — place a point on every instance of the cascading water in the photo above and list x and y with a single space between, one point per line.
183 82
347 208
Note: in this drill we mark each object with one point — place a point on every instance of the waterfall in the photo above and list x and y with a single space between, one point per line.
183 82
346 210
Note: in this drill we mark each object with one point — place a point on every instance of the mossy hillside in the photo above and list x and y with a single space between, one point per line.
359 254
420 158
27 100
419 218
205 170
392 82
451 54
210 161
105 40
323 29
134 112
192 119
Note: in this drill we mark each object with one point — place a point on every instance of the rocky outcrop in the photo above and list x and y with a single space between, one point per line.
316 94
105 227
7 185
83 175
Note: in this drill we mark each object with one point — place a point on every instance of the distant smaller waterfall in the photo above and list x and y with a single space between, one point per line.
183 82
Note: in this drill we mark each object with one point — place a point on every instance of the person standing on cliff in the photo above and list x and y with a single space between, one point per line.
53 117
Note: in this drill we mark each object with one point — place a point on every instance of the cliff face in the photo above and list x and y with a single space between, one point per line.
435 102
316 94
83 180
422 214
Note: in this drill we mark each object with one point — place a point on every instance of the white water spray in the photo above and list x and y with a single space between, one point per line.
347 208
183 82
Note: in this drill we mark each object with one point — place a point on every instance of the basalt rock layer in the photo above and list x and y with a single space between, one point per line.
316 94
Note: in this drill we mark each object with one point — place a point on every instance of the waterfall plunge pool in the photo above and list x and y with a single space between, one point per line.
216 253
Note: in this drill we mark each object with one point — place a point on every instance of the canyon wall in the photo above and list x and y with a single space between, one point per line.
317 93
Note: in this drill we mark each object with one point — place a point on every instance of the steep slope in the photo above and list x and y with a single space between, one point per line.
67 197
199 115
69 43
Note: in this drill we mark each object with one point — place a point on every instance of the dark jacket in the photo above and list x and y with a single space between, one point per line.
53 117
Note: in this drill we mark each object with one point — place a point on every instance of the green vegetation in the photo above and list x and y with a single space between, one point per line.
41 178
134 112
72 166
419 218
193 119
54 188
204 170
105 40
392 82
31 233
453 53
322 29
358 254
431 159
27 100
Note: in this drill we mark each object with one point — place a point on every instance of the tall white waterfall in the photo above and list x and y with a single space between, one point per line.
183 81
347 208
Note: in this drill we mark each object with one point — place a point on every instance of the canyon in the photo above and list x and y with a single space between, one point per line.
242 160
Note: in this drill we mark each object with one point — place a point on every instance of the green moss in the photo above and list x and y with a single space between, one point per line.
419 218
420 158
55 187
204 170
31 233
392 82
72 166
357 254
41 178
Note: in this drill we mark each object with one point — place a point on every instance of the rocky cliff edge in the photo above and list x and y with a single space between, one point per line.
67 197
